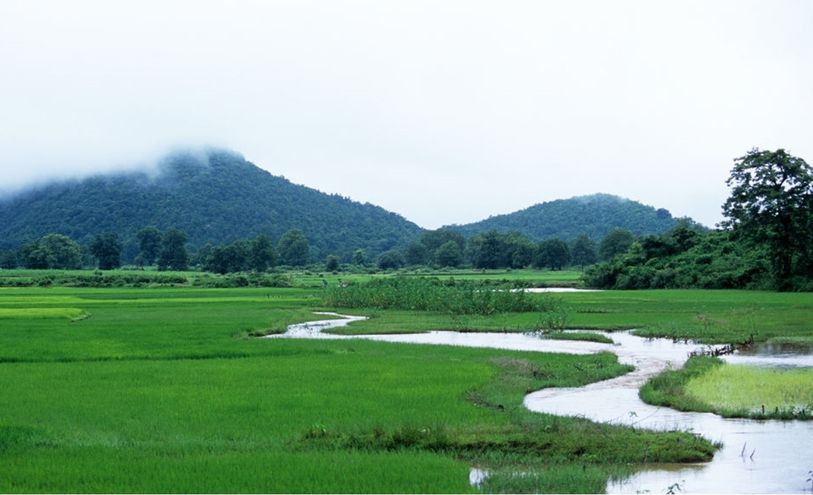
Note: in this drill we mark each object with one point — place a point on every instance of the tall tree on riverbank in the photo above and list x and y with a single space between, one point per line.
771 204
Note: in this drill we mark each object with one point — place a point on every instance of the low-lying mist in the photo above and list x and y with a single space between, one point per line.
149 164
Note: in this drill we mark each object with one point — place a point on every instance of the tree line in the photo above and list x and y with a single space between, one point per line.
442 248
167 250
448 248
765 241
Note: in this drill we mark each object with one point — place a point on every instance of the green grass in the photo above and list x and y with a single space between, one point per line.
706 384
541 446
162 390
708 316
69 313
737 390
302 278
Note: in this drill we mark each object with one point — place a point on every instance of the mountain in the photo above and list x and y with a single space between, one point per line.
214 196
594 215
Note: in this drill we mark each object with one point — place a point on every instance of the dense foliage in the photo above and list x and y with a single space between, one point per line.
51 251
594 216
771 206
215 197
684 258
767 240
106 248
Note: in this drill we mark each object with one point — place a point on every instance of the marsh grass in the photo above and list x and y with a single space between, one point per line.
736 390
706 384
431 294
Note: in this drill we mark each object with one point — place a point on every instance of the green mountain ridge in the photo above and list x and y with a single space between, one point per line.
594 215
215 196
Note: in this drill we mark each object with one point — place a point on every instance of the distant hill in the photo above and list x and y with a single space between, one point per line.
594 215
214 196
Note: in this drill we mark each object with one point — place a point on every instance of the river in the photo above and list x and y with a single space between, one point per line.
756 457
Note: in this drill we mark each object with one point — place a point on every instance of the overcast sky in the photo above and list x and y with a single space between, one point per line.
445 112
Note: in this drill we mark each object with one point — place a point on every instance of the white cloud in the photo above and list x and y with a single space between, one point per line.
441 111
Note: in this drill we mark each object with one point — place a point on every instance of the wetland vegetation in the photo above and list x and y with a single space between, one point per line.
707 384
160 389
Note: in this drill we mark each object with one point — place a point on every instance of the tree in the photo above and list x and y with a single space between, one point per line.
553 254
202 257
149 241
293 248
433 239
52 251
332 263
173 254
8 260
615 243
359 257
390 260
520 250
449 254
106 248
488 250
583 251
416 254
770 204
263 254
236 257
217 260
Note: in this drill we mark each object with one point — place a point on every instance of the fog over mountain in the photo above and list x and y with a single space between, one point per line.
214 195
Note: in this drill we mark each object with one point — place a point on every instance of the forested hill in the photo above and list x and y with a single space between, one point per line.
593 215
214 196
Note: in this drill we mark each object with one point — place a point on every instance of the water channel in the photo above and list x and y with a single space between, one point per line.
756 457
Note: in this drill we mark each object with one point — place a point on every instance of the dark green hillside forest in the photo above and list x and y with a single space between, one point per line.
594 216
214 197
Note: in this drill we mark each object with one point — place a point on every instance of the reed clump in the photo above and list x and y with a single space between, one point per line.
432 294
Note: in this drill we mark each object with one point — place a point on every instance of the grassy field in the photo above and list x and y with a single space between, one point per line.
706 384
304 278
157 390
164 389
723 316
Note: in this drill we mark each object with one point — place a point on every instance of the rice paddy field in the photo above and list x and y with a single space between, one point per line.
164 389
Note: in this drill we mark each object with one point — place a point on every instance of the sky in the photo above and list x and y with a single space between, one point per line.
442 111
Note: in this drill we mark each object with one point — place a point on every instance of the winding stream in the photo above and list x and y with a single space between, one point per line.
757 456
